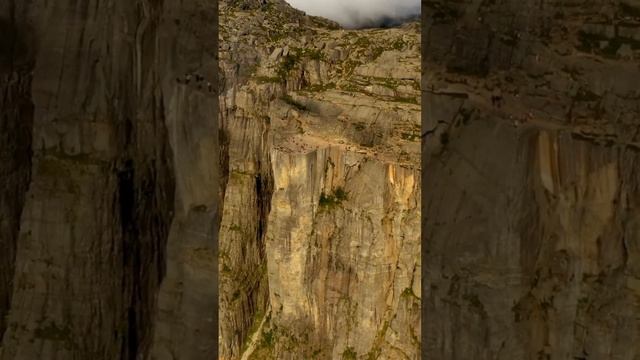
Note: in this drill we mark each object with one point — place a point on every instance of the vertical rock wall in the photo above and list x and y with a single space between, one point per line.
109 180
341 250
242 269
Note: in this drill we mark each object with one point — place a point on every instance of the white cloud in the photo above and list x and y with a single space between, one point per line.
358 13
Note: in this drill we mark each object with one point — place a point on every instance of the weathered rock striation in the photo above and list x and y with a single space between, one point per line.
531 193
108 180
320 234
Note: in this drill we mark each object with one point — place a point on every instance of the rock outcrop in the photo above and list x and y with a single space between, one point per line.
108 180
531 231
320 234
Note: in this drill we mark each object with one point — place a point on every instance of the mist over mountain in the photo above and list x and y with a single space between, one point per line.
362 13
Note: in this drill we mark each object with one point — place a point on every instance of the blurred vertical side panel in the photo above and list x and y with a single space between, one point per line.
187 312
109 179
16 125
424 18
531 154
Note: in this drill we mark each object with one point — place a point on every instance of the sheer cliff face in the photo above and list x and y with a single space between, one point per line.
532 232
100 156
110 181
319 242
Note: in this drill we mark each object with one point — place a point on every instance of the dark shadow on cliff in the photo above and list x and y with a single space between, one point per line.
16 127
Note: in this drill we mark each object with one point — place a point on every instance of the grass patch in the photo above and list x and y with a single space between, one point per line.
334 199
408 293
349 354
288 63
410 136
351 87
313 54
377 51
350 65
292 59
363 42
269 338
407 100
374 354
268 80
398 44
386 82
321 87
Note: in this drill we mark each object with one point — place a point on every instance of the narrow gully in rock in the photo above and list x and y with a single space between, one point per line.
145 194
16 128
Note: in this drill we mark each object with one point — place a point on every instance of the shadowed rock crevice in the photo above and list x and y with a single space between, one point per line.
145 197
248 197
186 318
16 128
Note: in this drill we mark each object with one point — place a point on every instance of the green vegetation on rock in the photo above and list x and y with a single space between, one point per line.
349 354
334 199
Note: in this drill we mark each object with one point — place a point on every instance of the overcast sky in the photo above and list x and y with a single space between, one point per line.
358 13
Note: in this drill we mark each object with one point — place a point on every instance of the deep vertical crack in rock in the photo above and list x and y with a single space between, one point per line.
92 154
16 128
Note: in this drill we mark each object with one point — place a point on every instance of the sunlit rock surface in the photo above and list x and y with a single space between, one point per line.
320 234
